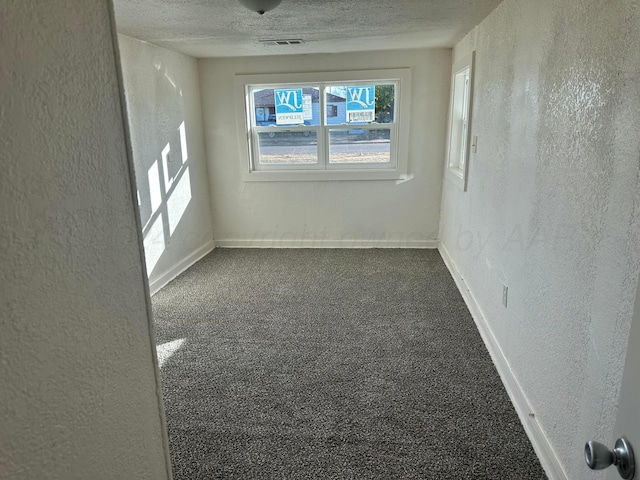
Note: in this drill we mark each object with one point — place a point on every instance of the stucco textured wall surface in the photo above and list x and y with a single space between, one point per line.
553 205
165 122
343 213
78 392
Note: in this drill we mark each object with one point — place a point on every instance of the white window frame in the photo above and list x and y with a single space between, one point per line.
454 171
396 170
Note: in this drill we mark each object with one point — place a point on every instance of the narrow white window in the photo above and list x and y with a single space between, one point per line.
459 131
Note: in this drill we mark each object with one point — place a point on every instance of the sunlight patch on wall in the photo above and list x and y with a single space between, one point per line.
169 197
183 142
154 244
173 84
154 187
179 200
168 180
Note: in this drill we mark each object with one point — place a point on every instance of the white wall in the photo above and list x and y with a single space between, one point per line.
553 207
79 392
341 214
165 120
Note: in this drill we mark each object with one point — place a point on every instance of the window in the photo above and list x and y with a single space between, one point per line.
331 126
460 121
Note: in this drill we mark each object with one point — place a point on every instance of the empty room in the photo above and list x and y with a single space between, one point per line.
320 239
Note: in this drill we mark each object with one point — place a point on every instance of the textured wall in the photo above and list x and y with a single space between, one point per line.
553 207
345 212
165 121
78 392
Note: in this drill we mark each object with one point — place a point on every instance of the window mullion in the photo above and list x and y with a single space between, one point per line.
322 152
253 139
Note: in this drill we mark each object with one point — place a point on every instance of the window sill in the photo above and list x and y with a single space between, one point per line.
457 177
322 175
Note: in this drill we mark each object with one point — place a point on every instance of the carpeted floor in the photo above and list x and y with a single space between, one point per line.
332 364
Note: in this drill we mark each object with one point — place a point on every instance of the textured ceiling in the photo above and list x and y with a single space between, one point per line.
223 28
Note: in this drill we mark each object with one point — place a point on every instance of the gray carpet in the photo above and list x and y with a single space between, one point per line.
332 364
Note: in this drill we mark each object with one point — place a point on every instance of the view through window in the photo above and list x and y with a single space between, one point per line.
289 130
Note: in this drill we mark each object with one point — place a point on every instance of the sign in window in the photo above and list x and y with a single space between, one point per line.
361 105
289 106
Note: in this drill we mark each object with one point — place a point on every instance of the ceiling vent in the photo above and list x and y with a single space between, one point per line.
288 41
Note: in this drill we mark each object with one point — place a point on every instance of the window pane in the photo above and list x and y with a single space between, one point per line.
385 103
288 148
465 119
360 104
265 101
358 145
459 114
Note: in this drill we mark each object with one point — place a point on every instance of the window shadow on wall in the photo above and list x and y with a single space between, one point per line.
164 196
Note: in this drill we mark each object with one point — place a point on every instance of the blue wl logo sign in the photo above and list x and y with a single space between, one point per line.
361 104
288 101
361 98
289 106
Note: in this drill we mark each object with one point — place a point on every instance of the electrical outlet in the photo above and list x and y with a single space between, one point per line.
505 292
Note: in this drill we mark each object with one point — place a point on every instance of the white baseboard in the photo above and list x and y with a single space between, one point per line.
546 454
314 243
180 267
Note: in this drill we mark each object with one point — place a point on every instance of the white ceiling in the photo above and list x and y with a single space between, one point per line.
224 28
